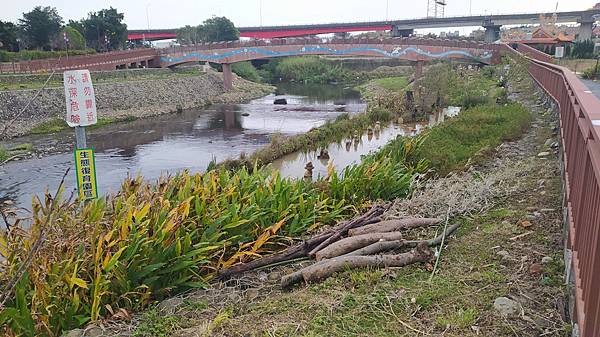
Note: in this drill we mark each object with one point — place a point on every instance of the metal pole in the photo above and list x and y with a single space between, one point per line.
80 137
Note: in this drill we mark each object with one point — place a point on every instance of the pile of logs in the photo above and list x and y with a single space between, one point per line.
365 241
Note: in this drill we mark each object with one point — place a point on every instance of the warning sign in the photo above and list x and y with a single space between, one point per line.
80 98
85 164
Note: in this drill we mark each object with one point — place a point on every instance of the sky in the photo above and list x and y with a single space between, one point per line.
139 14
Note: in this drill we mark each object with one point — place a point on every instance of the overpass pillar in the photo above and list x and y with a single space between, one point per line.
396 32
492 33
227 76
585 31
419 69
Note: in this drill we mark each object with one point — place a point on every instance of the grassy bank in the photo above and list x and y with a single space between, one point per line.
332 131
11 152
57 124
469 136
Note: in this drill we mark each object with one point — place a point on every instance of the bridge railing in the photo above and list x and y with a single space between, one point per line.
580 137
321 41
94 61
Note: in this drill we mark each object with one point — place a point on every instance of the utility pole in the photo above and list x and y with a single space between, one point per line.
387 10
260 12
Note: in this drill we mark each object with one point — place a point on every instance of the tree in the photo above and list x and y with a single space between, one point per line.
190 35
105 30
40 27
8 36
76 40
220 29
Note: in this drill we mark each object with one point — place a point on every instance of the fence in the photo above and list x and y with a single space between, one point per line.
580 136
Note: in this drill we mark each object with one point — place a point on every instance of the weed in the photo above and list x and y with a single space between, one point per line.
154 324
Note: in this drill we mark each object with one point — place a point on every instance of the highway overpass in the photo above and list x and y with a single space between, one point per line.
399 28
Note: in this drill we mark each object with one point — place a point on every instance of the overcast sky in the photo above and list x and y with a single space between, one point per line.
177 13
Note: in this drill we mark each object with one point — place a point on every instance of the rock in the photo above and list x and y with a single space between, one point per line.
280 101
74 333
547 259
547 210
274 276
94 332
543 154
535 269
245 114
504 254
506 307
525 223
168 307
548 142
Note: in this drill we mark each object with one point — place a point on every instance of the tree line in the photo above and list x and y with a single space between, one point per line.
44 29
211 30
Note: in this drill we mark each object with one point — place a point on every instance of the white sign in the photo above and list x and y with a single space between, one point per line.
80 98
559 52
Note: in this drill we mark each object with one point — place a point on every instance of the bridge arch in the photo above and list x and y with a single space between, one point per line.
416 50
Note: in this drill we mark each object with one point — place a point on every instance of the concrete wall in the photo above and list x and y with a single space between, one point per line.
135 98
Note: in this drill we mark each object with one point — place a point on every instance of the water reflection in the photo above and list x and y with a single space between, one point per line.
173 142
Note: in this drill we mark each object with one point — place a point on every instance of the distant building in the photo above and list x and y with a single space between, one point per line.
543 40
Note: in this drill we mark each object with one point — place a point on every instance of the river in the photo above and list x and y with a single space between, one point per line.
192 139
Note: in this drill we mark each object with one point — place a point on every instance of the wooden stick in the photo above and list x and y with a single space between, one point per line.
394 225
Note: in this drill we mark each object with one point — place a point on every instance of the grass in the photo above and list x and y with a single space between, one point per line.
58 124
16 150
392 83
332 131
152 324
450 146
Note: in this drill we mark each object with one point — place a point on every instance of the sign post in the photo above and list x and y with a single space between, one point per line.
81 112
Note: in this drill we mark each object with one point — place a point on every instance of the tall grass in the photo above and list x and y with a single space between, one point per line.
332 131
153 240
451 145
309 70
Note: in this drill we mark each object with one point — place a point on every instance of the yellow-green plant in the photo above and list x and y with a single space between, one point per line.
152 240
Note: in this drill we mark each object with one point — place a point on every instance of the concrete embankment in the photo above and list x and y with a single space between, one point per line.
119 99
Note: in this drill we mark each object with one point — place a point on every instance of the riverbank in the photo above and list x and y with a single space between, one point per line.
125 99
165 237
500 274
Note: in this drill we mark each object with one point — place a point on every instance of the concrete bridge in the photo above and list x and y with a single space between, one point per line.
415 50
226 53
400 28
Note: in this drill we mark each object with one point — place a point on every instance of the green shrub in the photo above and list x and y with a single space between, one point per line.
449 147
247 71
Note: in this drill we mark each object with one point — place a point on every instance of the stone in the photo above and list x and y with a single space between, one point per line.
170 305
506 307
535 269
74 333
543 154
245 114
504 254
548 142
94 332
525 223
547 259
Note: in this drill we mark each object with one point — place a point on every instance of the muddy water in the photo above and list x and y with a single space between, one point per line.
174 142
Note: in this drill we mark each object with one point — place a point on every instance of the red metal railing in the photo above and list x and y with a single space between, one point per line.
580 136
102 61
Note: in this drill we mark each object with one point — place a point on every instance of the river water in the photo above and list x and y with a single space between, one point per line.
192 139
174 142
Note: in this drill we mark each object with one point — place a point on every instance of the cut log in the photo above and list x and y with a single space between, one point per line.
394 225
386 246
322 270
304 248
353 243
374 213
